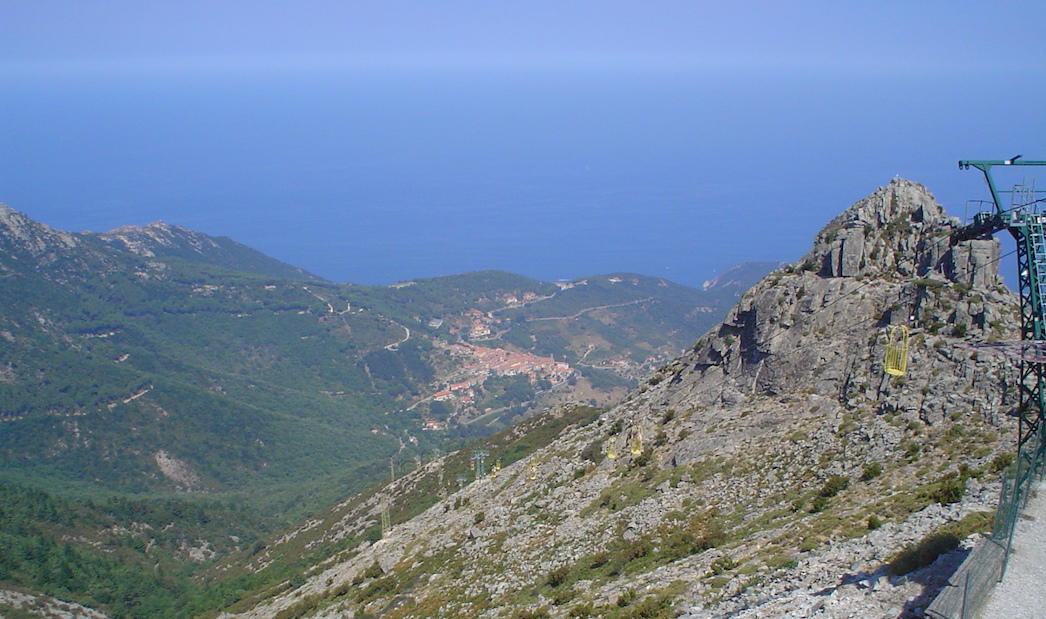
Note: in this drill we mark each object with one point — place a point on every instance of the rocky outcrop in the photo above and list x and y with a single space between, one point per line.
178 471
899 231
30 605
161 240
771 471
158 237
892 232
820 323
21 235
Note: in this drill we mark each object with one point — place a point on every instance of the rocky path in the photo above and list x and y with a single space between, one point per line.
1022 592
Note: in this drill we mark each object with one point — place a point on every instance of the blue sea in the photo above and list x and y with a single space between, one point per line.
376 178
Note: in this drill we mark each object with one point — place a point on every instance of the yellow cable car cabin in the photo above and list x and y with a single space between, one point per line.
635 445
895 363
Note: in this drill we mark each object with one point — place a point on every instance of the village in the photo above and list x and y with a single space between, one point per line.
482 362
490 362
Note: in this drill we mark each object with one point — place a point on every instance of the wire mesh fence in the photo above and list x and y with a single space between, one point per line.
969 587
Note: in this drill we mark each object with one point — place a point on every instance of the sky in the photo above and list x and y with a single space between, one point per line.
377 142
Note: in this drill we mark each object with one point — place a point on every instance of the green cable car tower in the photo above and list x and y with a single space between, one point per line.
1025 219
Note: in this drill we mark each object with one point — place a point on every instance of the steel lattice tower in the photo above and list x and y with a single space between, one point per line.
1024 220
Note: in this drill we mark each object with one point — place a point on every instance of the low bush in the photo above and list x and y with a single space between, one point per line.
558 576
834 485
922 554
950 488
1001 462
871 471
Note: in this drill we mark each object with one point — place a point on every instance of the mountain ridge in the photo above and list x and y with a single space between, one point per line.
19 231
737 275
158 239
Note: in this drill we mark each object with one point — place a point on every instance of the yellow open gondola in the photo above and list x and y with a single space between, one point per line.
895 362
612 447
635 443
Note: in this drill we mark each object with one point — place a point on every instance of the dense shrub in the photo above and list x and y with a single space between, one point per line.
1001 462
558 576
871 471
950 489
922 554
834 485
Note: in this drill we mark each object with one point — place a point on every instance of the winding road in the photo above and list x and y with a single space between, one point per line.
590 309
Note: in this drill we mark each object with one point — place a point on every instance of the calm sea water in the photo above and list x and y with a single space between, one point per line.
381 178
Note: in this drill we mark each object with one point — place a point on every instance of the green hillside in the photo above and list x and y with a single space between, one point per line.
157 360
131 558
158 380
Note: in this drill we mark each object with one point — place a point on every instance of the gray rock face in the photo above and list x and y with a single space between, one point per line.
970 263
897 231
820 323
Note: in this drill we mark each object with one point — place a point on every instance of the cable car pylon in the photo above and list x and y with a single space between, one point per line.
1024 220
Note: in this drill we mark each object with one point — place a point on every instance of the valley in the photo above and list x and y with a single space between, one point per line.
159 364
428 455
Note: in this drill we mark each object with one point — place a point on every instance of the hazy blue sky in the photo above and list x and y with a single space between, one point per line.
380 141
853 38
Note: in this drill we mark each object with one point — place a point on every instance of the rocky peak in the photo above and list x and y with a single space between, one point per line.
900 231
19 234
159 237
823 321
